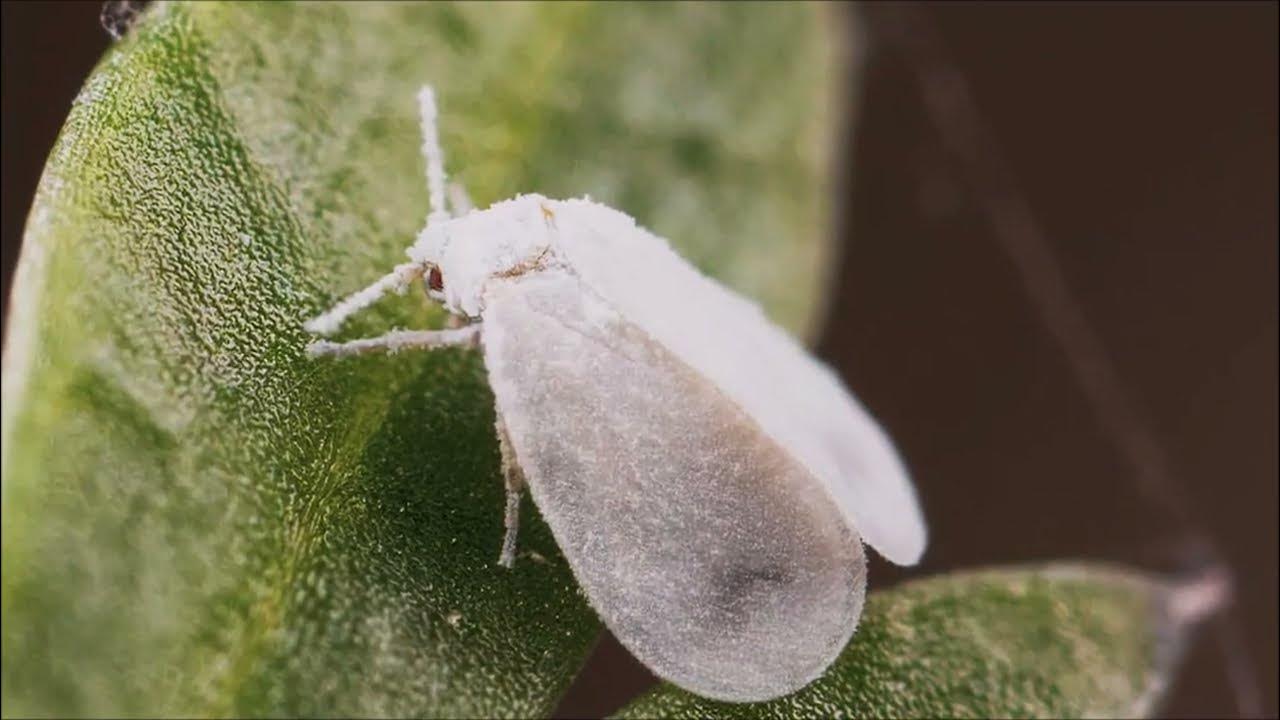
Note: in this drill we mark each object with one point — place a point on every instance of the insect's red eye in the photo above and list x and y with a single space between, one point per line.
435 280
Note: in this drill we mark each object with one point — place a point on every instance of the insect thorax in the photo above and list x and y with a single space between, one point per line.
507 239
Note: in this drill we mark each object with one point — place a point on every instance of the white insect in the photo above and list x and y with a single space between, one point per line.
708 481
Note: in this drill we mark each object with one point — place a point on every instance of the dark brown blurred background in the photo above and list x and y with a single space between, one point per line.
1143 138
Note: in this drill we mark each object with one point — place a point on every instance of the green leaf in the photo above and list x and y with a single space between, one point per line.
197 519
1058 641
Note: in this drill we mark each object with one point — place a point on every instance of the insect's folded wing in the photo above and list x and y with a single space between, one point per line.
709 551
794 398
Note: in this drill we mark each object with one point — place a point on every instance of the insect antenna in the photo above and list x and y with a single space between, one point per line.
398 279
433 156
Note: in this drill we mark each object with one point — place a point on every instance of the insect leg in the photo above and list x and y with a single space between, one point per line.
514 479
397 340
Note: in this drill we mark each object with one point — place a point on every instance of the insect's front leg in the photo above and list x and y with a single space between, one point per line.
397 340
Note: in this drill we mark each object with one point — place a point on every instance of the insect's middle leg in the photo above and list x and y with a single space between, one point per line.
514 479
397 340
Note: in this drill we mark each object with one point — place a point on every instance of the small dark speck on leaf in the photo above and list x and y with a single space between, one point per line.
118 16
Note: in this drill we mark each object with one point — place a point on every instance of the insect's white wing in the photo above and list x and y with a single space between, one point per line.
713 555
797 400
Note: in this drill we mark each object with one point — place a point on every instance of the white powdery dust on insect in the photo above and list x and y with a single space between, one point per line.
709 482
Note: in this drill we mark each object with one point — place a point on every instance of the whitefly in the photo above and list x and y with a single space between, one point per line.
709 482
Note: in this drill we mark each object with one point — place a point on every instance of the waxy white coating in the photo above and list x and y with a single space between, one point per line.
706 478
